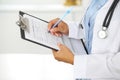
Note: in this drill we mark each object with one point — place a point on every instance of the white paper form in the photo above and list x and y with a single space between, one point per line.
38 32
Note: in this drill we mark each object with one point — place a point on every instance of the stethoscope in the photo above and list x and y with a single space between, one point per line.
103 33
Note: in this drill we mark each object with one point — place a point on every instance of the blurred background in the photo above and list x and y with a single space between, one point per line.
23 60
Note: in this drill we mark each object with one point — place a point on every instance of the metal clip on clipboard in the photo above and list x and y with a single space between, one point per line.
23 23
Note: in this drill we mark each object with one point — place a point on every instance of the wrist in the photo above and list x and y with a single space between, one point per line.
66 32
72 60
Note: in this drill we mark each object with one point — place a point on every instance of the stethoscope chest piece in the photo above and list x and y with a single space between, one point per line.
102 33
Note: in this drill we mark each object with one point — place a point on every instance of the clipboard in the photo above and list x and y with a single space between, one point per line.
22 30
71 43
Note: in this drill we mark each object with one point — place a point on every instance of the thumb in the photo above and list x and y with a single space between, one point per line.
61 46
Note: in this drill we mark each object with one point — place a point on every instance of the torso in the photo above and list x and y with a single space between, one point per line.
112 43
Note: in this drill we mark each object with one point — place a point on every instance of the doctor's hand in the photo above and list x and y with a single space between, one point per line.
64 54
60 29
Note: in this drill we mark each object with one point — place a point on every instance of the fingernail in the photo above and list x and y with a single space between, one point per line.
56 34
51 30
59 44
60 35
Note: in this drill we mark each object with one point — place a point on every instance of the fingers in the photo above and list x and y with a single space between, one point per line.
54 51
61 46
61 28
56 31
51 23
57 34
64 54
56 54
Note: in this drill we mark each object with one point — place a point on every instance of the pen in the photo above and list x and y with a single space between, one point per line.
65 14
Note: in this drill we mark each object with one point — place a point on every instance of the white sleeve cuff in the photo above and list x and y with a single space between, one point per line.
75 31
80 62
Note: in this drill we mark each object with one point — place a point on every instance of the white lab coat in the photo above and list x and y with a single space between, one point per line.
104 61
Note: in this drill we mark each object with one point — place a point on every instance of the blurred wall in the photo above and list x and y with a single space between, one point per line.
31 1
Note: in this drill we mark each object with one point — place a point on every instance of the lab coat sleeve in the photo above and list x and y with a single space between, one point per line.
97 66
75 31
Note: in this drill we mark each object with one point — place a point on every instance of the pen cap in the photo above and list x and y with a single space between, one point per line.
67 12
